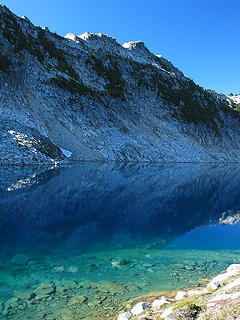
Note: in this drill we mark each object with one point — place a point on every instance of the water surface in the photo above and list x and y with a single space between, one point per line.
106 232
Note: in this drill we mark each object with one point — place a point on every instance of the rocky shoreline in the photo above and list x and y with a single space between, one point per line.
219 299
59 298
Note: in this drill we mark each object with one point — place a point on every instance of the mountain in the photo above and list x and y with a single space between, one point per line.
87 97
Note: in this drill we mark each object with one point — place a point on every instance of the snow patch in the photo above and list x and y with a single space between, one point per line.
235 98
134 44
70 36
19 184
231 220
88 35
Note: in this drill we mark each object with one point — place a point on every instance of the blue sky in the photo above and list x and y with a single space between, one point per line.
200 37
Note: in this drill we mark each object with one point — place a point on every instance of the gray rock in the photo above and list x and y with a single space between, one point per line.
214 285
125 316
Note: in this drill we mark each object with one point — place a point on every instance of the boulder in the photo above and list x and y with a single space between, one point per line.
44 289
234 269
233 284
158 303
77 300
167 312
11 303
23 294
125 316
214 285
197 292
223 297
139 308
181 294
177 266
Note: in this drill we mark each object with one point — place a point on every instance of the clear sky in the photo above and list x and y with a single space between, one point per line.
200 37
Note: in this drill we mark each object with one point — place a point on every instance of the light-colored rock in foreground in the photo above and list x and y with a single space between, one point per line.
234 269
158 303
180 295
139 308
125 316
220 299
218 281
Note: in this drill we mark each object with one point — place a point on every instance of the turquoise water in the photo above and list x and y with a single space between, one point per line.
77 242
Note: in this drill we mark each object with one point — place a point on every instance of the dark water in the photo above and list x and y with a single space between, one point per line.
111 232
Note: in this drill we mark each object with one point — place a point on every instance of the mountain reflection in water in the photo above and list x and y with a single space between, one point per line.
94 205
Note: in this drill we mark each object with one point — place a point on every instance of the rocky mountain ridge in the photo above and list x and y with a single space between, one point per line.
89 98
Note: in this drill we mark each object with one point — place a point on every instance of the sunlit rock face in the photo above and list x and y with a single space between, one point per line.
100 100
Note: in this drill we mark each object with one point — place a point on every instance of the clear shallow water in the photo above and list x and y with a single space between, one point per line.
111 232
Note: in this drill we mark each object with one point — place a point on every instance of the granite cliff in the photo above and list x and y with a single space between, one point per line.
87 97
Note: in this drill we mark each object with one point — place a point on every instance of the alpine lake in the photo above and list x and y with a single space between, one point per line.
79 241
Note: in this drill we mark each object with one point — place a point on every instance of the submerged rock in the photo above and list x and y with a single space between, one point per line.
67 314
23 294
20 259
110 286
11 302
44 289
77 300
177 266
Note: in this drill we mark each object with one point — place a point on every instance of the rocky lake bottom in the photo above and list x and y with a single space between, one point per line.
79 242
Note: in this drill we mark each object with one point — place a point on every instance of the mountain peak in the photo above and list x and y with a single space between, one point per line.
90 35
71 36
98 38
135 45
25 18
95 41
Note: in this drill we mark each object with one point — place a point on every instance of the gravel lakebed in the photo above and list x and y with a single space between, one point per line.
103 285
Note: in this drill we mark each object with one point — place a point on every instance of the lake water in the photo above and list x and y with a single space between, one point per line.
77 242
